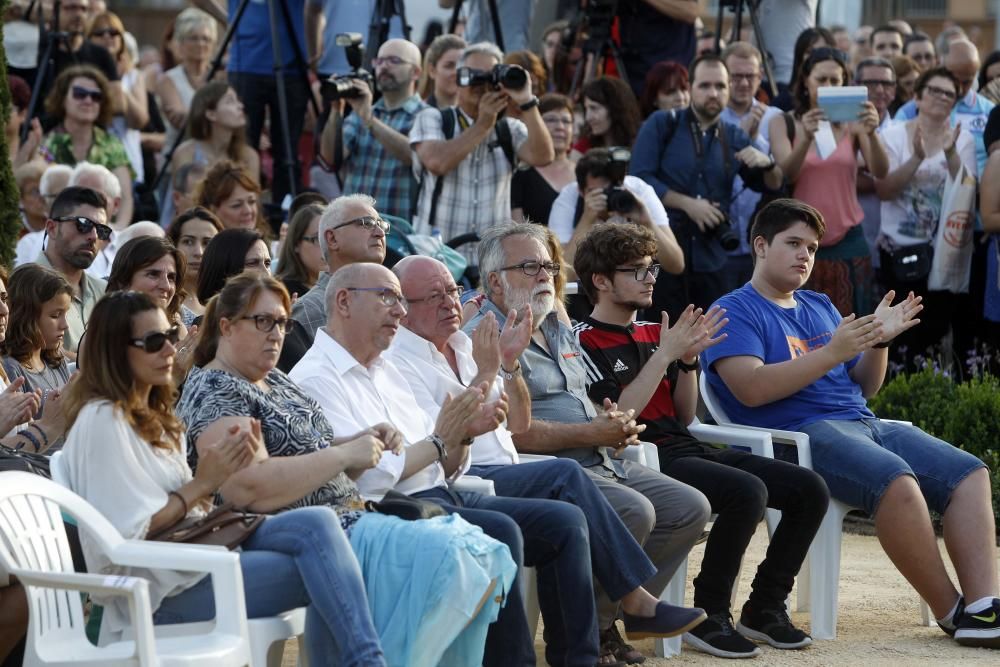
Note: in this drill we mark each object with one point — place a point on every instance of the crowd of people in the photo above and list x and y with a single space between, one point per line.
194 320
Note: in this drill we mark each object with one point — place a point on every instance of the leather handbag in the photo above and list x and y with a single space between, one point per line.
399 504
224 526
911 263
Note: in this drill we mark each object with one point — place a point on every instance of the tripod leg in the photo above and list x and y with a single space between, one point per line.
497 29
300 59
279 81
755 22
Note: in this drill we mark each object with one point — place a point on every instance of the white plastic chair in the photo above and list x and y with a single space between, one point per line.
267 635
819 577
34 548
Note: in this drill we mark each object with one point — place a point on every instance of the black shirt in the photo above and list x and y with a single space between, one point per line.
530 192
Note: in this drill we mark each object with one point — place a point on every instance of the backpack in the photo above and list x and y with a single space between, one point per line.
449 119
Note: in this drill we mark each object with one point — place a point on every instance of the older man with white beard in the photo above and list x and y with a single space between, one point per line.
663 515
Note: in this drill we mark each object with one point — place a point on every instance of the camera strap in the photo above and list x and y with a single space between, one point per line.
699 147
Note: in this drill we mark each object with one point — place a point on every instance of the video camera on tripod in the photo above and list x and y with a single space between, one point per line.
342 87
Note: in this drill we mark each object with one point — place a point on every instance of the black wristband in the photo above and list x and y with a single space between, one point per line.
881 346
689 368
530 104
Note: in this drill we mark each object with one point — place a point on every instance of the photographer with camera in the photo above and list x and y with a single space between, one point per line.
466 154
374 147
603 192
690 157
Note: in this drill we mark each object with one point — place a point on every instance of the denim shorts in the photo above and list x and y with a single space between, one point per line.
859 459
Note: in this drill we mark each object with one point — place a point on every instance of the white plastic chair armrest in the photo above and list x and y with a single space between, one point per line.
473 484
757 442
528 458
223 565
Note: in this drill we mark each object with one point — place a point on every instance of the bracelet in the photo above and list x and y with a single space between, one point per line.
439 444
881 346
32 439
179 497
688 368
45 438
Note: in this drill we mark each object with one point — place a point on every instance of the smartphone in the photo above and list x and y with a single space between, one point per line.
842 104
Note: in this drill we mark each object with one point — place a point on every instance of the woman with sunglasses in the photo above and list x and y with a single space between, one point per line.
923 153
229 253
300 259
843 267
304 464
191 232
38 299
80 105
125 455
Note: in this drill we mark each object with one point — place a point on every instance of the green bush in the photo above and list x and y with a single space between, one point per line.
922 398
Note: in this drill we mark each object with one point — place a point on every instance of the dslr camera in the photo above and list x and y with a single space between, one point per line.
725 233
510 76
620 198
342 87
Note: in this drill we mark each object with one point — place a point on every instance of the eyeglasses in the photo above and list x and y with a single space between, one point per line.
367 222
532 268
106 32
84 225
395 61
266 323
81 93
641 272
153 342
878 83
949 95
437 298
312 239
385 295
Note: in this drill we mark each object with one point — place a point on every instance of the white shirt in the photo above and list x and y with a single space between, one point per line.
431 379
28 248
354 398
564 207
100 268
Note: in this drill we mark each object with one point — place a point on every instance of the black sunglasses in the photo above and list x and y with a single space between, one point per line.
84 225
106 32
154 342
826 53
81 93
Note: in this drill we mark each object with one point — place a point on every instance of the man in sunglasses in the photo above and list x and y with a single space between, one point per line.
77 220
664 515
652 368
375 148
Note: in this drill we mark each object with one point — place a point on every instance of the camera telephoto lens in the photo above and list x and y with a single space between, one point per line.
620 200
513 78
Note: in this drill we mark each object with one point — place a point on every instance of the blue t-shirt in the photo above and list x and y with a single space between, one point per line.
759 328
250 52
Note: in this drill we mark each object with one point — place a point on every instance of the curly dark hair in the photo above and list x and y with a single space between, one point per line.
623 110
608 246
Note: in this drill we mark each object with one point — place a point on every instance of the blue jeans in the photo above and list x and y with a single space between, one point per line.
555 542
300 558
859 459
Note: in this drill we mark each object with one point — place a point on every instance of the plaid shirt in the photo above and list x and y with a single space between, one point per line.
310 308
372 169
476 194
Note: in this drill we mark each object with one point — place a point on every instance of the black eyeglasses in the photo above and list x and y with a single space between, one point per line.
436 298
941 92
367 222
874 83
641 272
385 295
81 93
266 323
153 342
827 53
84 225
532 268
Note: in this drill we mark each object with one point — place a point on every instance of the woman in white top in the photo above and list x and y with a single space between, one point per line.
195 36
125 454
922 153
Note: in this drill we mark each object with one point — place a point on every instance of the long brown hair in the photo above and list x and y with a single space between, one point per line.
290 265
30 286
233 301
107 374
207 99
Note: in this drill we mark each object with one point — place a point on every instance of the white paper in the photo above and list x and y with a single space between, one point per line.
826 143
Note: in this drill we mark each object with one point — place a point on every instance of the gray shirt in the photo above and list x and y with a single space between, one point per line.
310 308
558 385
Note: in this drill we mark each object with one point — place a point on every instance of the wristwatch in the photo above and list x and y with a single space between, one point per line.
530 104
510 375
688 368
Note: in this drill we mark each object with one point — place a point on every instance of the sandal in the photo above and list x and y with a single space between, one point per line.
612 643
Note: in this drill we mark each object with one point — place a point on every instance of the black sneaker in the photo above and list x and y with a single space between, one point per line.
773 627
612 642
980 628
951 625
717 636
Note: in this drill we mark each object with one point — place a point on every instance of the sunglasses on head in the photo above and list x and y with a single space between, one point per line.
81 93
827 53
154 341
84 225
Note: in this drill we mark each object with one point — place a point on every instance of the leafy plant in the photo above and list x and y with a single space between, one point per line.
10 216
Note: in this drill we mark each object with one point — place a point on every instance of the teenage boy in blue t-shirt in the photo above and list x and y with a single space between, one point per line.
791 361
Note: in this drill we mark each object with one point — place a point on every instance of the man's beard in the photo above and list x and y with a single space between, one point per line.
709 116
389 84
77 259
540 304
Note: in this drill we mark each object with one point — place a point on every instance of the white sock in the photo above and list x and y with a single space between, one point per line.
949 618
982 604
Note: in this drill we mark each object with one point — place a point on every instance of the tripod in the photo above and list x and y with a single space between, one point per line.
598 46
494 17
378 31
279 75
737 7
46 63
